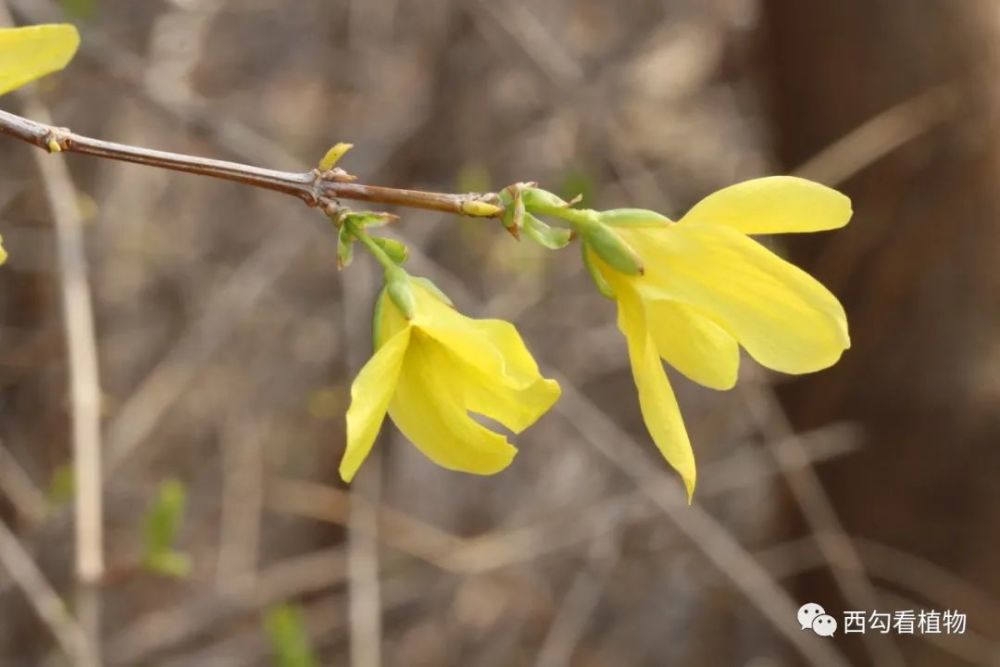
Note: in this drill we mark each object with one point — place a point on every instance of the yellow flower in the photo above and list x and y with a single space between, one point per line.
431 371
32 52
701 288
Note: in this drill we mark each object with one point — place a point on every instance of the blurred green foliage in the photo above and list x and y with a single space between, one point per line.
289 640
61 486
162 523
79 9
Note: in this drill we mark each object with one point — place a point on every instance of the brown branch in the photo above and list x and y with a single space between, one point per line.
313 187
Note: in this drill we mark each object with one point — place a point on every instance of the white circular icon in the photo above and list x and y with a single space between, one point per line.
808 613
824 625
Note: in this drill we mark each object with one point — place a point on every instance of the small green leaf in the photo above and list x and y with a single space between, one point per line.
289 639
553 238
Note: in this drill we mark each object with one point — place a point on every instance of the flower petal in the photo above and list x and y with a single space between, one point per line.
371 392
773 205
32 52
656 399
784 317
517 406
429 410
694 344
494 347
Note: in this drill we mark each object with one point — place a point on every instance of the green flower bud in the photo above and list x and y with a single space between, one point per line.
633 217
396 250
544 235
618 254
397 285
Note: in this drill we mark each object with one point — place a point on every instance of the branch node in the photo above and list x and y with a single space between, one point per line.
56 140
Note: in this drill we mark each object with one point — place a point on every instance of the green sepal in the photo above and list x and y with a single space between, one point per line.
433 289
397 285
610 247
633 217
553 238
345 247
542 201
602 285
396 250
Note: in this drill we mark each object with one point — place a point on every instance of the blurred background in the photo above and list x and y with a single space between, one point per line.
227 340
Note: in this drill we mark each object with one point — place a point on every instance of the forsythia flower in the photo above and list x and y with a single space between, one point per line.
32 52
430 371
694 291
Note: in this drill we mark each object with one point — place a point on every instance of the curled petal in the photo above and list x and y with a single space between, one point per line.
32 52
512 403
429 410
371 393
773 205
784 317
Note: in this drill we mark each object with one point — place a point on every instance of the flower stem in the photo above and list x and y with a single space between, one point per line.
358 232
